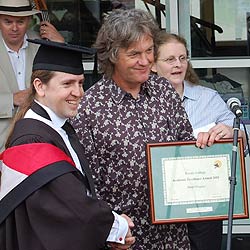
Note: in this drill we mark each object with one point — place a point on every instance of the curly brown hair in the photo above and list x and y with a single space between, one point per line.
119 30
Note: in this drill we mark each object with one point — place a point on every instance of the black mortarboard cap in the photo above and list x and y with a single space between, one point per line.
63 57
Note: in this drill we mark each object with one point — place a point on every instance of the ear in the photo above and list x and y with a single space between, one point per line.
154 68
39 87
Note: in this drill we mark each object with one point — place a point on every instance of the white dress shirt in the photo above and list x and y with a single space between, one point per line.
18 61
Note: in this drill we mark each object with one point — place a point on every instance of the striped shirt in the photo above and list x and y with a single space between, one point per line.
205 106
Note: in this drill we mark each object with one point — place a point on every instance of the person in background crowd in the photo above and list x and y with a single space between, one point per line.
124 111
47 197
17 56
206 111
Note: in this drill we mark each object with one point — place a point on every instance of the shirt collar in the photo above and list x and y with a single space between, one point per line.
57 121
190 92
119 94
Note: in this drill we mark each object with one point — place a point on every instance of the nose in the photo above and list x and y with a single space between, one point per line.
144 59
177 62
14 26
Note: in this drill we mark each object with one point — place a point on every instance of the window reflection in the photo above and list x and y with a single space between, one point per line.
220 28
79 20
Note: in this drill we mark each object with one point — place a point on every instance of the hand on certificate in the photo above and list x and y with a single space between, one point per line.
129 240
215 133
203 140
220 131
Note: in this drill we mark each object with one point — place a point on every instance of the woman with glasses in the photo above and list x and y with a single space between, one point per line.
206 111
204 106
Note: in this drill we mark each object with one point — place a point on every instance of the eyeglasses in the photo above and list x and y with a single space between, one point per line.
171 60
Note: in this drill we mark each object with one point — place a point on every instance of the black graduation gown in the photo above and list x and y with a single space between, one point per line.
56 213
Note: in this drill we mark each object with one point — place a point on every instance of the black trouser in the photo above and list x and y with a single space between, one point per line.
205 235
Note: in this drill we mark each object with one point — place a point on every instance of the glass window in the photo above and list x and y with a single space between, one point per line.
220 28
79 20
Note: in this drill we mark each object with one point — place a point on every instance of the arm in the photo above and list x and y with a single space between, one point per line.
220 131
10 100
223 118
210 116
20 97
77 219
129 239
65 217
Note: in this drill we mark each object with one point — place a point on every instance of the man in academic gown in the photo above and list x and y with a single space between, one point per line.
47 197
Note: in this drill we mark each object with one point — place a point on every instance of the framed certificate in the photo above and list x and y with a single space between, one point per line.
187 183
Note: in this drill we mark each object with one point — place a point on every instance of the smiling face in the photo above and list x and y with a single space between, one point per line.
62 94
176 71
133 64
13 30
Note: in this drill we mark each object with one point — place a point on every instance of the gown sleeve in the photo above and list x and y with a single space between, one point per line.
64 217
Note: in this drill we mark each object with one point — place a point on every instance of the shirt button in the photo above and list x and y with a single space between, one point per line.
120 239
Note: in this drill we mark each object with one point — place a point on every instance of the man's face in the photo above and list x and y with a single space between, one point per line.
62 94
13 30
134 63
